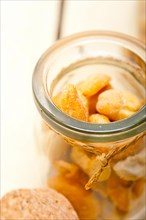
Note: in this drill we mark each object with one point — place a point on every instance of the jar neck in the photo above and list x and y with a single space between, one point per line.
71 127
87 132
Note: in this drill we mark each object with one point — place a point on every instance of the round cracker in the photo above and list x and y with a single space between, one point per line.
36 204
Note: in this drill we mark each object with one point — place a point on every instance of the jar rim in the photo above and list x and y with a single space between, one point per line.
77 129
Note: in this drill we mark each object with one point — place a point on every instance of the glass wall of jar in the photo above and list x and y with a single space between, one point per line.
99 167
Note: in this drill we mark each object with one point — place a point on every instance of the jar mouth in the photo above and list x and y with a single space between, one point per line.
76 129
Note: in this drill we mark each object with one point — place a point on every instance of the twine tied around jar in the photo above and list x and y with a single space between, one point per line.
103 170
100 168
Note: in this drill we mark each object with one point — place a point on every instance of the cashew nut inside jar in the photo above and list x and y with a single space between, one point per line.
89 89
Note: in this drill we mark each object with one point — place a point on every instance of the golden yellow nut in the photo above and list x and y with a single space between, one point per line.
92 100
124 113
93 84
98 118
131 102
109 103
83 99
72 102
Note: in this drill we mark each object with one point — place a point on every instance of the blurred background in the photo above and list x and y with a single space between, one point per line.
28 28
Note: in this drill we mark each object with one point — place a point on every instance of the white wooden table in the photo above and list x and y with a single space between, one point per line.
28 28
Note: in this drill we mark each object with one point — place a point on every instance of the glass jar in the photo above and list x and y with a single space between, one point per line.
100 168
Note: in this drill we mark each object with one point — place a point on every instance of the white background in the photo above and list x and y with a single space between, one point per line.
28 28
